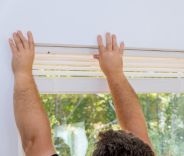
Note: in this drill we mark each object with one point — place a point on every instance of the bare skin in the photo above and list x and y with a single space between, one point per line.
31 119
127 106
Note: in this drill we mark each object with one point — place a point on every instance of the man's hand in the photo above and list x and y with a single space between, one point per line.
23 53
110 56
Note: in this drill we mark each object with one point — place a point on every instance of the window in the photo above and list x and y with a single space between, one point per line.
76 96
76 120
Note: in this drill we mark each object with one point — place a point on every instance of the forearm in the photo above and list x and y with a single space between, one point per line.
31 119
128 109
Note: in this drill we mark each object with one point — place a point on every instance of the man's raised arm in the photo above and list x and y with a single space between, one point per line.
31 119
127 107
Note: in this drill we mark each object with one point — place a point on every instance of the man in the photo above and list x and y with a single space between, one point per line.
32 121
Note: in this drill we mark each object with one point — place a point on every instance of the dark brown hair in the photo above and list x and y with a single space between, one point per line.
120 143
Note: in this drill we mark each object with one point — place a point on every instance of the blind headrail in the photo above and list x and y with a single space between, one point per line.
96 47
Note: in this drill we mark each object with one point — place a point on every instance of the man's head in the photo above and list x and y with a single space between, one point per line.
120 143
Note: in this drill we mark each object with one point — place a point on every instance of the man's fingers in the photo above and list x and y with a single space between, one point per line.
96 56
114 42
17 41
100 43
12 46
122 46
30 40
23 39
108 42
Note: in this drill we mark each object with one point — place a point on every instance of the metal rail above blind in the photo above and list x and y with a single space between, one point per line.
72 69
87 49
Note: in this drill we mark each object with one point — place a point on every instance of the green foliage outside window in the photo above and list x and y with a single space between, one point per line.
164 114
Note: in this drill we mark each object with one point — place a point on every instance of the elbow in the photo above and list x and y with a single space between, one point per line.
27 144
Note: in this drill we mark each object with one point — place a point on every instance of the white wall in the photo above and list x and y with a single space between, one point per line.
8 135
142 23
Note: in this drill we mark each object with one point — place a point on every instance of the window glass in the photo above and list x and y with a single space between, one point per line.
76 121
